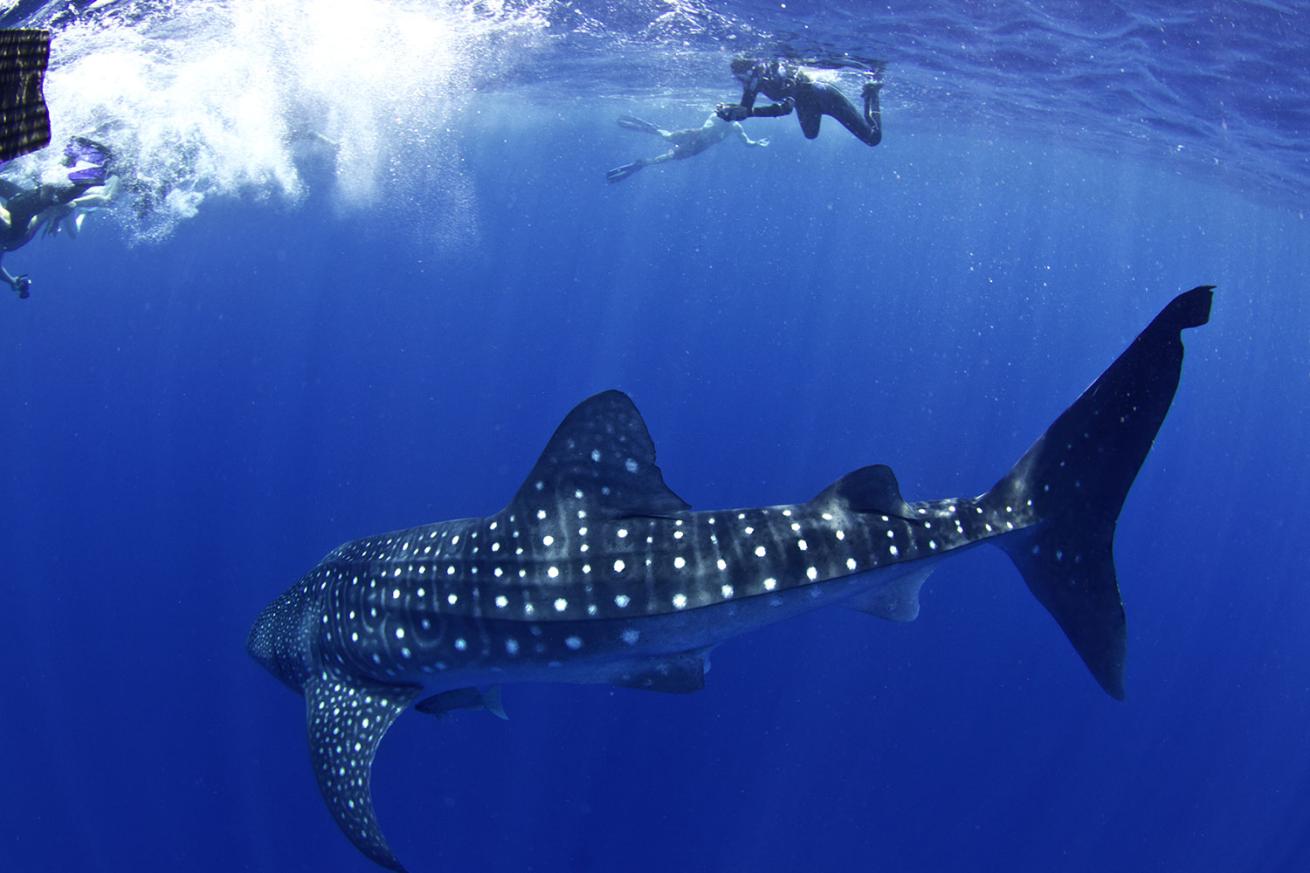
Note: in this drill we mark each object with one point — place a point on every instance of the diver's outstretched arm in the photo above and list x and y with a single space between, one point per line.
740 113
743 109
20 284
774 110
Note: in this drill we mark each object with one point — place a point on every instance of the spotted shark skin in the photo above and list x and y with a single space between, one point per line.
596 572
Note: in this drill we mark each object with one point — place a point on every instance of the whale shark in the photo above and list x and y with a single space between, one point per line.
597 572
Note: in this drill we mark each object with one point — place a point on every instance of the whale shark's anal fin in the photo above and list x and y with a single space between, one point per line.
1073 481
347 720
897 600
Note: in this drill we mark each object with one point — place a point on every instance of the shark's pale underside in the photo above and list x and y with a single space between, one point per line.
597 572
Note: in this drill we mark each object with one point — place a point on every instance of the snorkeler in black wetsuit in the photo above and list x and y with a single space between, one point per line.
54 205
793 88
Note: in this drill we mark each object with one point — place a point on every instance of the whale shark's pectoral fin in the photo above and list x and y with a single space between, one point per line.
464 698
601 457
898 600
347 719
675 674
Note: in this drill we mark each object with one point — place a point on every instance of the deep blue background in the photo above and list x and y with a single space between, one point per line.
190 426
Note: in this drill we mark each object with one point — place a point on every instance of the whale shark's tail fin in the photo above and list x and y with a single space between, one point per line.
1073 481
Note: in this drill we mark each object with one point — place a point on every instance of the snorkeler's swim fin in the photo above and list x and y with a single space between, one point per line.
618 174
89 162
632 122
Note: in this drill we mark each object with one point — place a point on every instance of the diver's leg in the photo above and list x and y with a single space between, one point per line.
872 109
867 127
810 116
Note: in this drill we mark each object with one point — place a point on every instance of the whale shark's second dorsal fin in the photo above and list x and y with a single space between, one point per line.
347 718
603 458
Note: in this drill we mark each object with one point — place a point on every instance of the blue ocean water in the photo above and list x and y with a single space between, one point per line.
369 260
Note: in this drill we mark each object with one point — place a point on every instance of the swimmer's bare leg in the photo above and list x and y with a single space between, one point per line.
618 174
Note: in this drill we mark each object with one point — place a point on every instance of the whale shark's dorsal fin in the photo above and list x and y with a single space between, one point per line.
347 719
601 455
868 489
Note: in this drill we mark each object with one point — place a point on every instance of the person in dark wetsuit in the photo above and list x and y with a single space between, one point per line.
56 205
793 88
